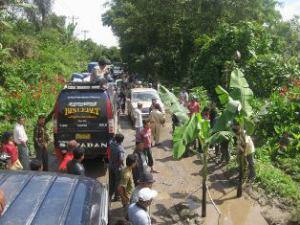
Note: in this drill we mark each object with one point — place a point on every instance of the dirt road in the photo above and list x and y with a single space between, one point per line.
180 182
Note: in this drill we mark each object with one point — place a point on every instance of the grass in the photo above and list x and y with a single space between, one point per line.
277 183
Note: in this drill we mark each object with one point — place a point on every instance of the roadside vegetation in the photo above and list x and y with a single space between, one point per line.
194 44
38 53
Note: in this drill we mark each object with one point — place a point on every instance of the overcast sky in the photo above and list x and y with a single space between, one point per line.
88 17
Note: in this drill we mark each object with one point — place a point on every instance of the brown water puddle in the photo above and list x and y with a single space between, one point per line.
234 211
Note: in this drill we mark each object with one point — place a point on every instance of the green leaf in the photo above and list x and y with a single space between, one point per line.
178 150
184 135
220 136
249 125
222 94
239 90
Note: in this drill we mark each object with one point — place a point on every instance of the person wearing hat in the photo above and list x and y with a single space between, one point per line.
41 140
10 148
21 139
146 181
126 184
137 212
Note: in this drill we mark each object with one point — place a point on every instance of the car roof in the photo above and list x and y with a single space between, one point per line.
51 198
143 90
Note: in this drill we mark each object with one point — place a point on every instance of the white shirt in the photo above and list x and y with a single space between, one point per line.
138 118
249 145
20 134
138 216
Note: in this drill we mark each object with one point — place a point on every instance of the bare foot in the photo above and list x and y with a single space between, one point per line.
154 171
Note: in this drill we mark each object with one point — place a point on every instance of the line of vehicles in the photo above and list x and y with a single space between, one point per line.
84 111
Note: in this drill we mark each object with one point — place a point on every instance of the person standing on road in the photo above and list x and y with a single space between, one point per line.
138 118
10 148
116 164
21 139
142 161
126 185
75 165
157 120
154 103
146 181
247 149
41 140
145 135
138 212
121 101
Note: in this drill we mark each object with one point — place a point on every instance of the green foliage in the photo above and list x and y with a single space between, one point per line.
236 102
38 52
184 135
158 38
171 101
201 94
276 182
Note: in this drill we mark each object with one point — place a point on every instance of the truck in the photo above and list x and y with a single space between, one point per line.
84 112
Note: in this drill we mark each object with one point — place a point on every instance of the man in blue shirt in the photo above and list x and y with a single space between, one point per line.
116 164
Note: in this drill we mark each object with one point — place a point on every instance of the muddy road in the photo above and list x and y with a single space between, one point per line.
179 186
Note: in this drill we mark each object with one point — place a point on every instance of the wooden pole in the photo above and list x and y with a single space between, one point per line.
241 176
204 189
240 149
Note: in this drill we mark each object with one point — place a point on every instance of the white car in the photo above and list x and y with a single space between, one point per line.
144 96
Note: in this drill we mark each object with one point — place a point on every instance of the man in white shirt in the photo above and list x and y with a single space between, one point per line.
21 139
137 212
249 154
138 118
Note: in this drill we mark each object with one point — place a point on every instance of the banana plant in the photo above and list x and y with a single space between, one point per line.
172 103
237 107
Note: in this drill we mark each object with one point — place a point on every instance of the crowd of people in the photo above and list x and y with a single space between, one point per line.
15 145
130 175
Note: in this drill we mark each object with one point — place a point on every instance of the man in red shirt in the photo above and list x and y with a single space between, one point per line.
193 106
145 136
10 148
68 155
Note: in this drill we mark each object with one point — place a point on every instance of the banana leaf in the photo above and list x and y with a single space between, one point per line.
240 90
183 136
222 94
236 103
196 127
220 137
171 101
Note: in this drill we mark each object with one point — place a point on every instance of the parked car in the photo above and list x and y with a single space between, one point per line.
39 198
83 111
144 96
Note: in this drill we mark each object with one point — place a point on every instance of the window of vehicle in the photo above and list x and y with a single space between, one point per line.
143 96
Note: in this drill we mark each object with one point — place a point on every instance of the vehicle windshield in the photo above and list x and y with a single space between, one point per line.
143 96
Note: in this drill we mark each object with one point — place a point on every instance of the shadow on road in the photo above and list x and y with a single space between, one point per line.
166 159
